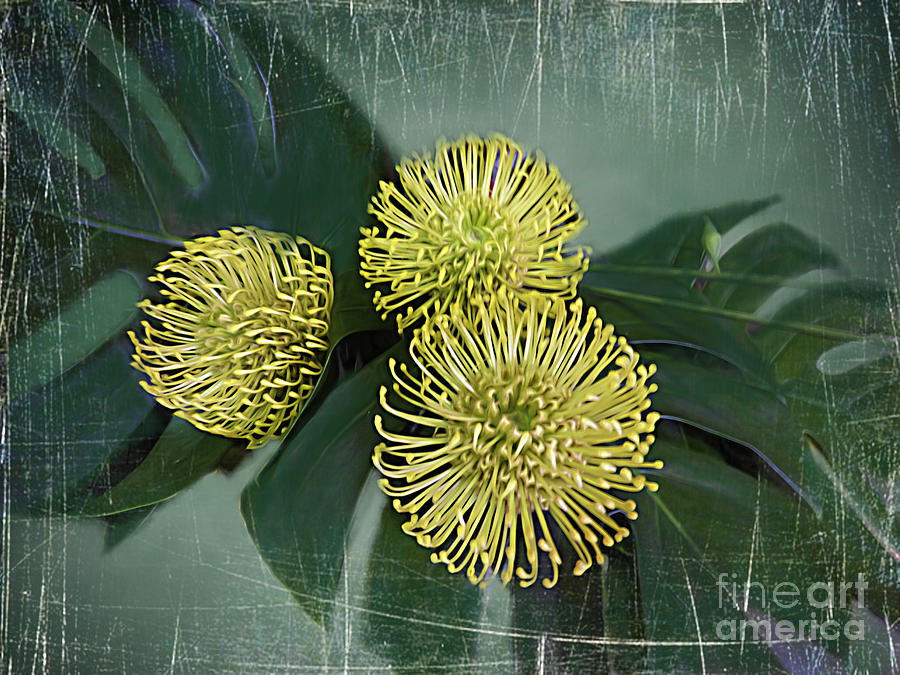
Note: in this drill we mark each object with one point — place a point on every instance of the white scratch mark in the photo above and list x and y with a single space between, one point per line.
893 650
837 114
877 418
403 76
721 13
753 539
347 635
653 75
539 65
893 59
542 647
175 642
696 618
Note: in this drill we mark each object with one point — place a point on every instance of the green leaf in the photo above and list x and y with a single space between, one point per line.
249 82
623 625
136 84
568 618
188 146
712 546
851 355
772 250
121 526
861 307
82 261
65 433
868 547
100 313
727 405
877 651
353 310
298 509
182 455
416 612
251 147
678 241
70 144
647 310
666 300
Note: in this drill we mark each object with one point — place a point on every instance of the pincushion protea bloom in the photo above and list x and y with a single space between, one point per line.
483 215
239 347
528 414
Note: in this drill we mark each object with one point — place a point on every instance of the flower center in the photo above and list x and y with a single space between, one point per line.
516 421
524 417
510 402
477 222
478 242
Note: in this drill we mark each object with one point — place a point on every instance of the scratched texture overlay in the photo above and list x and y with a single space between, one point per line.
124 128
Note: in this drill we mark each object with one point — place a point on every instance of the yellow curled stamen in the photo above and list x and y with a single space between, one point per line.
239 345
526 412
483 214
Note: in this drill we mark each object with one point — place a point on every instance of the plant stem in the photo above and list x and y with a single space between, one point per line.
115 228
680 272
823 331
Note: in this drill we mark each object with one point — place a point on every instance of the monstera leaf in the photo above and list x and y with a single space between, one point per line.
768 480
153 148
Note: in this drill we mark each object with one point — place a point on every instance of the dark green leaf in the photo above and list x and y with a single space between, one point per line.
712 546
570 617
298 509
726 404
877 651
120 526
182 455
865 545
64 433
778 249
266 152
353 310
136 84
251 85
623 625
659 319
70 144
857 306
416 612
677 241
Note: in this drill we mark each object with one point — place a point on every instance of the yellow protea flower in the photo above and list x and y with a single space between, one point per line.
239 347
530 412
483 215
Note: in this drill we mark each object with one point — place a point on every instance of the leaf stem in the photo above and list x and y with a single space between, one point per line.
114 228
823 331
681 272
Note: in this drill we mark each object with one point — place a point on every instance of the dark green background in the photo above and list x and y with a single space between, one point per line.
647 109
